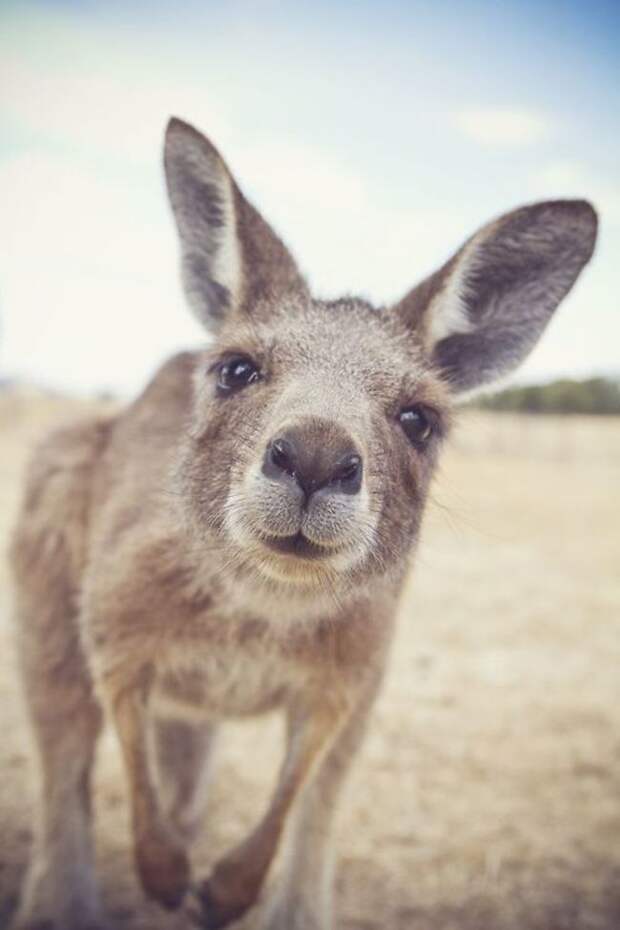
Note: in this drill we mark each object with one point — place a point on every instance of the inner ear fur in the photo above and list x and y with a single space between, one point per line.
481 314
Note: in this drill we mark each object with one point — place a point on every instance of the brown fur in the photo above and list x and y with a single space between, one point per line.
145 585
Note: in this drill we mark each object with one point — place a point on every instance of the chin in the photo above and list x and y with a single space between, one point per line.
310 570
294 567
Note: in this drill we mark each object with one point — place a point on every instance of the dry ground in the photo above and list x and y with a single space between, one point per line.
488 794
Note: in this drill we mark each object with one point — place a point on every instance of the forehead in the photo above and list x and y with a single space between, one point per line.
348 338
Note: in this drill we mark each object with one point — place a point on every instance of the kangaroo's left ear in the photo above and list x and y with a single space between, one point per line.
482 313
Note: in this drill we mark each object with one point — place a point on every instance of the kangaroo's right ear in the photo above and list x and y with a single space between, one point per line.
231 258
482 313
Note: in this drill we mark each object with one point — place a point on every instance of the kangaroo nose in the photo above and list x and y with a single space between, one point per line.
333 466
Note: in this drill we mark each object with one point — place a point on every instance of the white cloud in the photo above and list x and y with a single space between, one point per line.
503 126
289 170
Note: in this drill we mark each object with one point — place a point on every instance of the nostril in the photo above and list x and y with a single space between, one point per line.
349 469
281 455
348 474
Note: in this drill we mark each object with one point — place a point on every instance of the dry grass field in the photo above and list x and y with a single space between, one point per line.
488 794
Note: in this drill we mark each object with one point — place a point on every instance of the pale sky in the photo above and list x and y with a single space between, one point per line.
375 137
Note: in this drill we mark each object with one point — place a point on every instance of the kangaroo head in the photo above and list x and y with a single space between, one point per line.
316 424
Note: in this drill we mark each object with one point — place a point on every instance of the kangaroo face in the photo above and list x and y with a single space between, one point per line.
316 424
324 421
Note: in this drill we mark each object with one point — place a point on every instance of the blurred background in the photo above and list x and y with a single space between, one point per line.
375 136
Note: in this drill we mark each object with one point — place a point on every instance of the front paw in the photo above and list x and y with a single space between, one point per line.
225 896
164 870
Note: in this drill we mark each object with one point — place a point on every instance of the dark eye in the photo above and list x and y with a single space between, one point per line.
236 373
418 424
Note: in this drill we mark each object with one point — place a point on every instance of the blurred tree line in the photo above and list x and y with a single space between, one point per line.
594 395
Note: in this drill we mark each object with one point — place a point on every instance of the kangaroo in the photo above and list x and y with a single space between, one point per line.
235 541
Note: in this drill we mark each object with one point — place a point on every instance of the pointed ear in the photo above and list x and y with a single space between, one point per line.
482 313
231 259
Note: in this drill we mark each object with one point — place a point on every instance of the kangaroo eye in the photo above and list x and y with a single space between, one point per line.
236 373
418 424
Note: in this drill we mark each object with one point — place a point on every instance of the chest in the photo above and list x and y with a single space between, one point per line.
241 672
207 654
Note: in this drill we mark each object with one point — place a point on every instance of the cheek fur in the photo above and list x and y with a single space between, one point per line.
399 480
226 439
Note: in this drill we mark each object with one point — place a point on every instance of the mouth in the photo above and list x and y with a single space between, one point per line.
297 545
